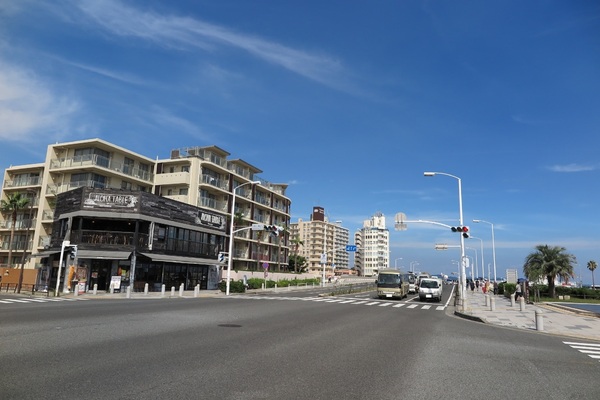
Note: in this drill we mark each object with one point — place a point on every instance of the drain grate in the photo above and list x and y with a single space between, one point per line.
230 325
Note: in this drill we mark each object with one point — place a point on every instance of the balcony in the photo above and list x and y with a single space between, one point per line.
94 160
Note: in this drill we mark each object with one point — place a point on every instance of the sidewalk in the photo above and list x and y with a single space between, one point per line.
556 320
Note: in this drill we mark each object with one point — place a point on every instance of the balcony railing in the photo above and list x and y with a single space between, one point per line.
102 162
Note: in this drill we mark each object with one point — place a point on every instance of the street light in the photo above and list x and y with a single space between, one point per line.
482 259
463 280
493 244
395 264
230 255
412 265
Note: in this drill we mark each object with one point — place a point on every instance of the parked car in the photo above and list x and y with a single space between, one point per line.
430 289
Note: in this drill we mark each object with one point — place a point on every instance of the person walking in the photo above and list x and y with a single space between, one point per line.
518 291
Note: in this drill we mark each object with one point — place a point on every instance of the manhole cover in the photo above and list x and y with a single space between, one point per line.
230 325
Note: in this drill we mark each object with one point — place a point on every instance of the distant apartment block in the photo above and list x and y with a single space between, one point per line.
320 236
373 246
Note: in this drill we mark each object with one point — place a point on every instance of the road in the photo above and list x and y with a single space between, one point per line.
285 346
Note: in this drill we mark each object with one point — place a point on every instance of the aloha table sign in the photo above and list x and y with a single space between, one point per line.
110 200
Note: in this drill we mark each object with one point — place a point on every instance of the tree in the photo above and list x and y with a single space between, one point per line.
12 205
591 265
297 242
549 261
297 262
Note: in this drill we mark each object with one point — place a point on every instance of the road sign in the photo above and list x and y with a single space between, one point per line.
324 258
258 227
350 247
441 247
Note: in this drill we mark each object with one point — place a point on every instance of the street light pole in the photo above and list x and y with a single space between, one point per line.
230 255
493 244
395 264
463 280
482 259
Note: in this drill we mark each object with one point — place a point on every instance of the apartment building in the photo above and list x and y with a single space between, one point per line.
373 246
320 236
204 177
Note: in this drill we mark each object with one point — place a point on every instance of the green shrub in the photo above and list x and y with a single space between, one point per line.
234 287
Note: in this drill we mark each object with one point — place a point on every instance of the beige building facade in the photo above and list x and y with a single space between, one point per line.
204 177
320 236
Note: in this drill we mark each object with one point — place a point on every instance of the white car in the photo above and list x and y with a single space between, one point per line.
430 289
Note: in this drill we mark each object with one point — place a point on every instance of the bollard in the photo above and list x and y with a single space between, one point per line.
197 290
162 290
522 302
95 288
128 292
512 300
492 304
275 286
181 290
263 286
76 290
145 288
112 289
539 320
172 291
487 300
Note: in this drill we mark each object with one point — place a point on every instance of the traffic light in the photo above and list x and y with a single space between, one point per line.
71 251
273 229
221 257
462 229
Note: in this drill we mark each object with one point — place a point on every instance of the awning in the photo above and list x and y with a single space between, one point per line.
104 254
179 259
46 253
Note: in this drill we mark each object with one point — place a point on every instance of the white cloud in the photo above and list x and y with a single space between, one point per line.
187 33
29 107
572 168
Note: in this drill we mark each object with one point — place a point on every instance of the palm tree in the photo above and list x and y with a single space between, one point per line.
297 242
12 205
591 265
549 261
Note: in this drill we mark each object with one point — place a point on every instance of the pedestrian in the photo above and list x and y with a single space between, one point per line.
477 284
484 287
472 285
518 292
495 288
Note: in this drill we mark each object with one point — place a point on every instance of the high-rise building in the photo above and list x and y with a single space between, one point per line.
373 246
320 236
203 177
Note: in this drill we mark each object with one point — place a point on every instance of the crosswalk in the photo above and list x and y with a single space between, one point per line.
590 349
39 300
346 301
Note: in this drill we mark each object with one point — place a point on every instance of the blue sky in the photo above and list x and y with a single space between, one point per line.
348 102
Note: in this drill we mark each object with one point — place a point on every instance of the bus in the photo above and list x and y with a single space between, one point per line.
392 283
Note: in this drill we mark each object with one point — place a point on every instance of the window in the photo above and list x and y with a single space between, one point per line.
183 192
128 164
185 168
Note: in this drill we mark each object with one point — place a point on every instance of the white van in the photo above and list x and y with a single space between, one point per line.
430 289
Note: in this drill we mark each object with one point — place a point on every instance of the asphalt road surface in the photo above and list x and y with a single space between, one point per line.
278 347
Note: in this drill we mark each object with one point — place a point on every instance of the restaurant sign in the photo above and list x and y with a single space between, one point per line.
209 219
110 200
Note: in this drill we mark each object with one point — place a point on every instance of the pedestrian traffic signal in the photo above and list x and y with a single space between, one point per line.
462 229
221 257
